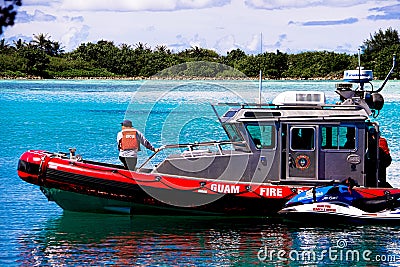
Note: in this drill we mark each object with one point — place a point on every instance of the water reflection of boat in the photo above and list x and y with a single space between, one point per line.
72 239
274 152
97 239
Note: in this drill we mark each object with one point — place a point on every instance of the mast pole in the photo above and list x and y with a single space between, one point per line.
260 78
359 70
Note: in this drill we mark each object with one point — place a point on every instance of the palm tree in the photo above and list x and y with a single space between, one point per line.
19 44
41 40
141 48
3 45
162 49
198 53
125 47
56 49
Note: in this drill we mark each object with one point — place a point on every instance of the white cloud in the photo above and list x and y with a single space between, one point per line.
279 43
78 19
390 12
74 37
198 41
254 45
145 5
15 38
343 48
226 44
150 28
324 22
25 17
37 3
285 4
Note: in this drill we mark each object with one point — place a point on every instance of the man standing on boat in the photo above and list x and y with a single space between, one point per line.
129 140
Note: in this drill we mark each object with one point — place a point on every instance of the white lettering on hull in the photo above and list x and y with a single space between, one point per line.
271 192
225 189
235 189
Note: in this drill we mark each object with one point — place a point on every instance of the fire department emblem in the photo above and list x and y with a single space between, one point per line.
302 162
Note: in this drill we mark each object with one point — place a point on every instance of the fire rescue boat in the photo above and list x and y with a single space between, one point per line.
274 152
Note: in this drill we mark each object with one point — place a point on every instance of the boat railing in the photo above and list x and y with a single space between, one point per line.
192 149
286 106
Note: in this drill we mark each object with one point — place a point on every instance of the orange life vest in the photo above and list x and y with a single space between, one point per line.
129 140
383 144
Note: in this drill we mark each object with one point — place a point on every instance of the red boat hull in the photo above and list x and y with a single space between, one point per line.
98 187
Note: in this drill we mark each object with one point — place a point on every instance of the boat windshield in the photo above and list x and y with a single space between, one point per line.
263 136
233 133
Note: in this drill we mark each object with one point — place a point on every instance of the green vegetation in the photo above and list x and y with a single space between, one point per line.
45 58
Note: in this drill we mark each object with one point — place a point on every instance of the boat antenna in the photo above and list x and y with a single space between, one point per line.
260 78
389 73
359 69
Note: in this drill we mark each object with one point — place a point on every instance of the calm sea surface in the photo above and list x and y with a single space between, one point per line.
55 115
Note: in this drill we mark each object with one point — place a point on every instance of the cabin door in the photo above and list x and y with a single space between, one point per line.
301 152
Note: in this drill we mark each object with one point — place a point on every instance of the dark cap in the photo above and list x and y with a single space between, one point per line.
126 123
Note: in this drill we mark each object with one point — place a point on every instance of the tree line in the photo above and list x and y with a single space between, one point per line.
43 57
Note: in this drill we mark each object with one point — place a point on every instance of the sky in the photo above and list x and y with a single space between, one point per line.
290 26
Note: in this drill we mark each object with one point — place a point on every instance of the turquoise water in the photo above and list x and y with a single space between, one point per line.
56 115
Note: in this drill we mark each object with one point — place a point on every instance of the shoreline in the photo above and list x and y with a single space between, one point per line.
142 78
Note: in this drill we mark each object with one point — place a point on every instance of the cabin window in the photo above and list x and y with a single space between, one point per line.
263 136
302 138
338 137
232 132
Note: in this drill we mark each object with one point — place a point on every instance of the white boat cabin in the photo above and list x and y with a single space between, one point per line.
298 139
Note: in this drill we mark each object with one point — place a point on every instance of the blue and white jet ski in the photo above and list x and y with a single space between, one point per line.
342 203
